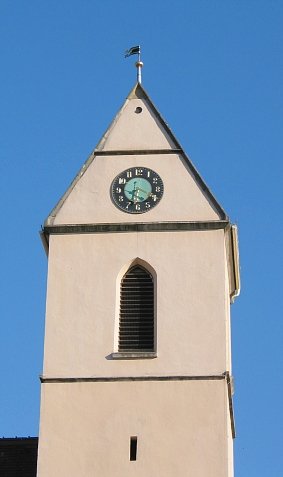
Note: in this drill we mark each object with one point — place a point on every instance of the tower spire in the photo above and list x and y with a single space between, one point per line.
136 50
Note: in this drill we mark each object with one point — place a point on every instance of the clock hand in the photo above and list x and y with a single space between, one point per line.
138 196
148 194
134 194
142 190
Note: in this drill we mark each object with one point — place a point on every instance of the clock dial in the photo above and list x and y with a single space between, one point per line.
137 190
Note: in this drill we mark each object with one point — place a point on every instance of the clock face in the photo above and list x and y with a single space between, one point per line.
137 190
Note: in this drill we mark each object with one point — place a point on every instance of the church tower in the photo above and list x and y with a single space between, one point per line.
142 268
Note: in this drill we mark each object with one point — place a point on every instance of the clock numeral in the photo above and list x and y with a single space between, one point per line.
122 181
155 180
139 172
147 205
154 197
128 204
129 174
137 207
157 189
118 190
120 198
148 173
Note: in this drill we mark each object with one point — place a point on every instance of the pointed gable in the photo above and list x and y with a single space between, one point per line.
137 126
137 137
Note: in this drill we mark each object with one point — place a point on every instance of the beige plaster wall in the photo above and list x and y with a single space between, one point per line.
83 303
90 201
182 429
131 130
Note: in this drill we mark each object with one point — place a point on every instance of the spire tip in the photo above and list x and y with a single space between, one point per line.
136 50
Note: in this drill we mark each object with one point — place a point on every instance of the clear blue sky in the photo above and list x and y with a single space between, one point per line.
214 70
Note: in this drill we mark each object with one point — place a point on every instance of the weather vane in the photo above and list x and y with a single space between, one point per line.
136 50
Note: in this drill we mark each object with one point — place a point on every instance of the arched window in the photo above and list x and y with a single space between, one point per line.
136 324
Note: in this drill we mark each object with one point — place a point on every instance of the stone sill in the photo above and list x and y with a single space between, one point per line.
131 355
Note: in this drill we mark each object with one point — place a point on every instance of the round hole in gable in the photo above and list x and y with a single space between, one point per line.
138 110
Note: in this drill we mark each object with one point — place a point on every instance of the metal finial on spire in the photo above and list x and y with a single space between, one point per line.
136 50
139 65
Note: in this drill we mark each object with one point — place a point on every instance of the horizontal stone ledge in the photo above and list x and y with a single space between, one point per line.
44 379
137 152
135 227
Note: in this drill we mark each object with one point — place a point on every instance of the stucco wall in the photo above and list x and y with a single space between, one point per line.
132 130
83 303
181 427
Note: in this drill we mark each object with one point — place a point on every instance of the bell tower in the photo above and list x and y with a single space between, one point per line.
142 268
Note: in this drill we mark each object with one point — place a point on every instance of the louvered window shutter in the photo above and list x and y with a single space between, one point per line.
136 330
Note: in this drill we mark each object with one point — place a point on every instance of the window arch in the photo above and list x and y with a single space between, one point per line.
136 321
